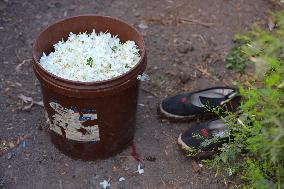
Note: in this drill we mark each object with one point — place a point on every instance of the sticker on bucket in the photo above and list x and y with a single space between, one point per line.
75 125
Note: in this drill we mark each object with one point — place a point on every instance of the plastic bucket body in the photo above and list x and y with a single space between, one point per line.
89 120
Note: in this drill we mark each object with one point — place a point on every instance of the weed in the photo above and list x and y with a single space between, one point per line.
255 151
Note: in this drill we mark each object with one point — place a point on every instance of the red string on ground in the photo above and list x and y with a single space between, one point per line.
134 153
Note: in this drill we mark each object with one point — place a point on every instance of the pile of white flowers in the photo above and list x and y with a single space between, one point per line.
91 57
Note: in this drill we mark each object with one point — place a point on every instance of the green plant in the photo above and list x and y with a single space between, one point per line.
236 58
255 151
90 62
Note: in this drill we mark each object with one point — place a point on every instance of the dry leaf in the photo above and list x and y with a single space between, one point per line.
271 24
40 103
29 101
18 67
26 99
13 83
196 168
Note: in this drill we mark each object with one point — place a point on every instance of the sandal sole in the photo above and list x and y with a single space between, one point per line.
200 155
177 118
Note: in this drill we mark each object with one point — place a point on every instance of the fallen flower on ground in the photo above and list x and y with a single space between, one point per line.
143 77
140 170
121 179
105 184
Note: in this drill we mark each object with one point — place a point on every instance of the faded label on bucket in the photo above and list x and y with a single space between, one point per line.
75 125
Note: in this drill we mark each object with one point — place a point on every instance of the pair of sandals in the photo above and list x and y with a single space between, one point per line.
202 140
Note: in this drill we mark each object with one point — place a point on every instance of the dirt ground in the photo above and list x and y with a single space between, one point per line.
186 44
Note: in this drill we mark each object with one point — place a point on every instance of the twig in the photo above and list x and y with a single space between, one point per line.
196 22
225 182
124 156
173 140
60 184
151 93
17 55
164 183
155 20
200 36
204 72
277 3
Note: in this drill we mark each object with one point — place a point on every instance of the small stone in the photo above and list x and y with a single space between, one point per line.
185 48
72 8
205 56
136 14
177 60
184 78
9 155
143 26
24 144
20 34
11 145
58 4
39 127
151 158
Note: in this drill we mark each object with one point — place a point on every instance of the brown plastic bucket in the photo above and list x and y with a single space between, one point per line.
89 120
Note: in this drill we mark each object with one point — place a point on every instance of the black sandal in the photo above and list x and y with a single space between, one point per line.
184 107
203 140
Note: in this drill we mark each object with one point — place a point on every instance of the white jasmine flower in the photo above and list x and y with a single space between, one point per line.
104 184
140 170
91 57
121 179
143 77
230 172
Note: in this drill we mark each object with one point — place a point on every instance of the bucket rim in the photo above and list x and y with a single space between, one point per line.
37 65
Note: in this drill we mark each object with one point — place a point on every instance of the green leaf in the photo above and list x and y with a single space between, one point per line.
90 62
